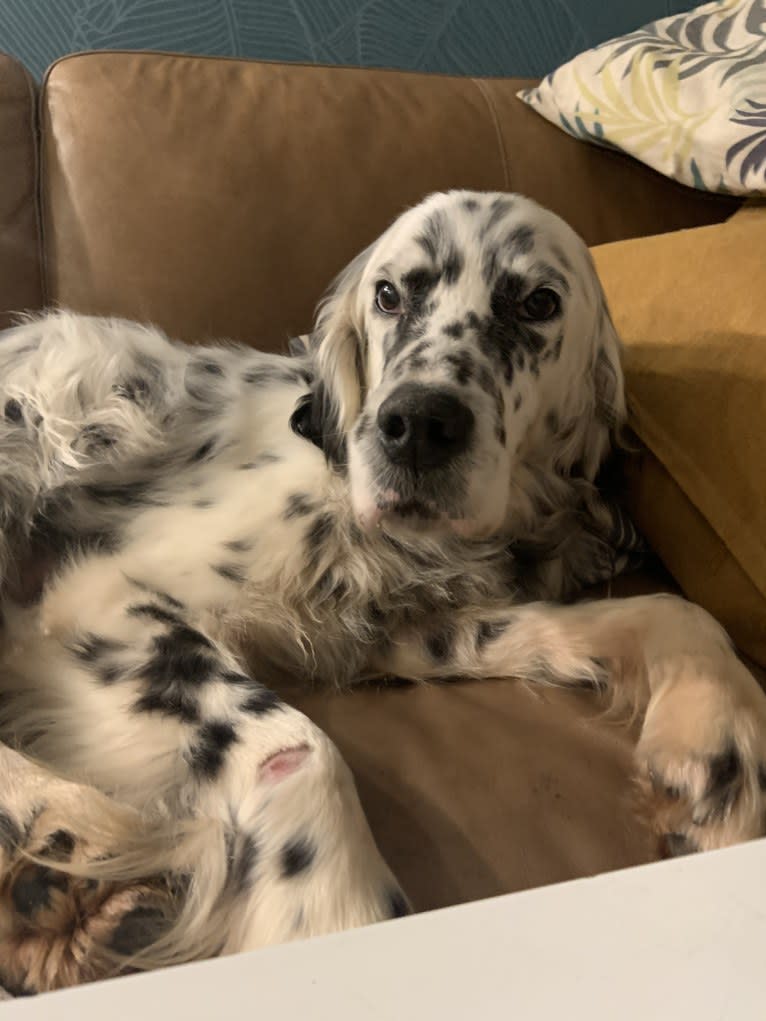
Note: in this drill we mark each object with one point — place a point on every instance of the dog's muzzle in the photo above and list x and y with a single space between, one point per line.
421 428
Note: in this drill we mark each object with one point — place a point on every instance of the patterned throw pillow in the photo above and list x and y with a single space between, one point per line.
686 95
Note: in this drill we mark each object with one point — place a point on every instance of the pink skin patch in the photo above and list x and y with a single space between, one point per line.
283 764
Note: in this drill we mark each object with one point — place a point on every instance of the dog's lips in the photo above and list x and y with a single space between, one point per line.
390 507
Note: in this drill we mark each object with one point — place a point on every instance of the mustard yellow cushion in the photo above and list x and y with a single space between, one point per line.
691 310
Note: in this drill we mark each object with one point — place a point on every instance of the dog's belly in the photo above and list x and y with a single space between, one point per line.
229 525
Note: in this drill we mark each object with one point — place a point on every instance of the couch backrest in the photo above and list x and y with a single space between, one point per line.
219 197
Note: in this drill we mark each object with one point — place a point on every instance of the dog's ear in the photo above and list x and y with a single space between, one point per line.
608 413
338 345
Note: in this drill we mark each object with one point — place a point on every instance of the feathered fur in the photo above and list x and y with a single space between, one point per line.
211 521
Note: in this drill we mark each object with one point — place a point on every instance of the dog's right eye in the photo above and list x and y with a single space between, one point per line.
387 298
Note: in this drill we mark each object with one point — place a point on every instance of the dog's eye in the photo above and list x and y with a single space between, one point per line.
387 298
541 304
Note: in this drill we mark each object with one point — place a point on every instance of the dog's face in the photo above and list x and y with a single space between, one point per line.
469 344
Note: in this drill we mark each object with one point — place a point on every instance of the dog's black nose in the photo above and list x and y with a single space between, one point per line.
423 428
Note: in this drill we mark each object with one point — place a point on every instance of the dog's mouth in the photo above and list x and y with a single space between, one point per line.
394 511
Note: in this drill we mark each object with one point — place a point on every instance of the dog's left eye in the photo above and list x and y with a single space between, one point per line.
387 298
541 304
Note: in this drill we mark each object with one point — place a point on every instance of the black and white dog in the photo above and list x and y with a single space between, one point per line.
391 500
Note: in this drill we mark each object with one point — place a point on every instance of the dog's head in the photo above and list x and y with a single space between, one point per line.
469 345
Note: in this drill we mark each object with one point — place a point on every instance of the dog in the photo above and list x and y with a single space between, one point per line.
413 492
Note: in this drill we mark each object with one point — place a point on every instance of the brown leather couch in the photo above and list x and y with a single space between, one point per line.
218 198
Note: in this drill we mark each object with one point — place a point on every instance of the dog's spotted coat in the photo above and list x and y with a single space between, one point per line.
389 500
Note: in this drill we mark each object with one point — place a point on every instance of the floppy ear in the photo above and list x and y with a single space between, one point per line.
608 412
338 344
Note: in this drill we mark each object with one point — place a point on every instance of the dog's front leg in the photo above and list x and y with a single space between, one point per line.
702 751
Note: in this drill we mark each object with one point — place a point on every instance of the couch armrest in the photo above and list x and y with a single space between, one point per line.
20 276
219 197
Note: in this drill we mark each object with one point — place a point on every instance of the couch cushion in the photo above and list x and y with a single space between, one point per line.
20 277
691 310
474 789
220 197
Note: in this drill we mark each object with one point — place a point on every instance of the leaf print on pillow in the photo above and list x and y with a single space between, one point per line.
752 148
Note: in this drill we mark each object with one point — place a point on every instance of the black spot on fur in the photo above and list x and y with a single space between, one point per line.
126 494
675 845
59 846
470 205
261 701
13 412
154 612
11 834
208 753
137 929
453 266
32 889
91 648
174 701
182 656
454 330
552 422
297 856
419 283
231 572
163 597
521 240
243 858
463 364
363 425
397 905
203 503
486 380
490 263
498 210
489 631
762 776
725 780
265 375
421 348
238 545
439 644
95 437
212 367
134 389
298 505
517 402
260 461
433 236
203 452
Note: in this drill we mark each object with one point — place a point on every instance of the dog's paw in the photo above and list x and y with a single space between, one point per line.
58 926
702 758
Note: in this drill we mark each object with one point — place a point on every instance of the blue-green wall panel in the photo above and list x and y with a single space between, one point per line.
477 37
